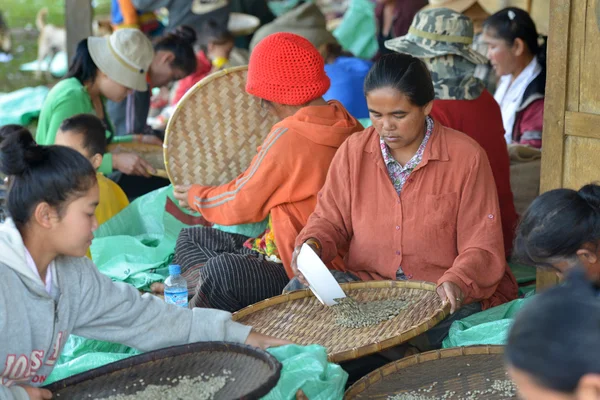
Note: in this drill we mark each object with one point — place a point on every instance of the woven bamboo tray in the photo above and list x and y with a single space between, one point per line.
256 372
149 152
460 370
215 130
298 316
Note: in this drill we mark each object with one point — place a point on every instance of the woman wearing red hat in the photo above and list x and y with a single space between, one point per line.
287 73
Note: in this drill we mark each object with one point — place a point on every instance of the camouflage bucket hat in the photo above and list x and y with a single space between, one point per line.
438 32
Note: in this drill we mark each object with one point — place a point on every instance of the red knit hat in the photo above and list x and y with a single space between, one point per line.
287 69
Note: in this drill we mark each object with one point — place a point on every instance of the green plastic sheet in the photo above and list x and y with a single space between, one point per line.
307 368
81 355
137 245
357 33
487 327
22 106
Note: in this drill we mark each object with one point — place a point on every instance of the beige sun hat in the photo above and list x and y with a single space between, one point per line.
124 57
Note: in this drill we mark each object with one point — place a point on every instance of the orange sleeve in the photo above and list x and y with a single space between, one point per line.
480 264
129 13
331 222
251 196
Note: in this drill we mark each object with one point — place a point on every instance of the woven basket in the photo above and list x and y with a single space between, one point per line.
301 318
460 370
215 130
149 152
255 372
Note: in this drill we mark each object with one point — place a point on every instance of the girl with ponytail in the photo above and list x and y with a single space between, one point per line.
520 62
560 230
48 289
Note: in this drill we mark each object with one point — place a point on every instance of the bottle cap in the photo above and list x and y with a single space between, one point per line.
174 269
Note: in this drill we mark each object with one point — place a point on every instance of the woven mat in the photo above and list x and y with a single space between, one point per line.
151 153
460 370
255 372
301 318
215 130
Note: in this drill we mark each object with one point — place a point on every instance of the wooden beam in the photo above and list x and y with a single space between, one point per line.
582 125
554 109
78 21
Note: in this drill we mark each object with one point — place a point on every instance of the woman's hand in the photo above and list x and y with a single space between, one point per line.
37 393
132 164
181 194
147 139
261 341
450 292
297 273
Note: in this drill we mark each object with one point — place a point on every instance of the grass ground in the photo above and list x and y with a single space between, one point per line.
20 18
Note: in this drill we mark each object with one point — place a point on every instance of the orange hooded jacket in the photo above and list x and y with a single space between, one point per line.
284 177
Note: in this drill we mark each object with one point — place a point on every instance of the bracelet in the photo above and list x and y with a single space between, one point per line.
315 242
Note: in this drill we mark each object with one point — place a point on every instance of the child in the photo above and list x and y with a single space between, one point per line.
48 290
220 53
561 229
86 134
553 347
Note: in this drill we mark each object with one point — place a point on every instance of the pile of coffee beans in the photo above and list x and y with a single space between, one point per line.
351 314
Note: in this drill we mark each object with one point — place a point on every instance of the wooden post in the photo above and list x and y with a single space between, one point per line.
529 3
554 110
78 21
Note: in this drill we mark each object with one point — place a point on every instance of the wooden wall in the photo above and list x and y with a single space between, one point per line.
571 150
540 10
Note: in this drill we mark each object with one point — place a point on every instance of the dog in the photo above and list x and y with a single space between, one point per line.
5 40
53 39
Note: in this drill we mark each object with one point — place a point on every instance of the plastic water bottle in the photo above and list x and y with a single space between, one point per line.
176 291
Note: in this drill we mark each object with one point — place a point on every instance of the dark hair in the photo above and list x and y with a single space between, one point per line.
215 33
180 42
82 66
7 130
402 72
92 129
51 174
557 224
555 337
520 27
335 50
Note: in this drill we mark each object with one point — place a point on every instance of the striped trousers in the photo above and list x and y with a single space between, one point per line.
222 273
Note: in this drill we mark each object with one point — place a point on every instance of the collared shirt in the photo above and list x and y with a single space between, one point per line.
399 174
510 95
33 267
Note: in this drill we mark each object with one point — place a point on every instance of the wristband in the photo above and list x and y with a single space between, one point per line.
315 243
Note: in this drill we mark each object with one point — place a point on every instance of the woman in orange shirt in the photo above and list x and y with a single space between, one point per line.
411 199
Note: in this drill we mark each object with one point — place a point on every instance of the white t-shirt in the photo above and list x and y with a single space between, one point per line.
509 96
33 267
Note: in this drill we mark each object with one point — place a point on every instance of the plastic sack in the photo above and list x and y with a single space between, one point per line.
280 7
307 368
137 245
21 106
81 355
487 327
357 33
58 65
